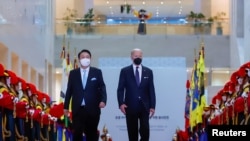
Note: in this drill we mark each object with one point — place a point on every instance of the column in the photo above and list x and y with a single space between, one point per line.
246 30
82 6
197 6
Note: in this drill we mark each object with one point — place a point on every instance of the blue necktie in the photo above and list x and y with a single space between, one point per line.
84 79
137 77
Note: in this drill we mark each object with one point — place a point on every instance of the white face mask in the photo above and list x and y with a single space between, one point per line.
248 73
85 62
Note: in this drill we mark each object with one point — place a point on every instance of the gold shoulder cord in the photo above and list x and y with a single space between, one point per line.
5 132
13 93
247 119
40 106
233 114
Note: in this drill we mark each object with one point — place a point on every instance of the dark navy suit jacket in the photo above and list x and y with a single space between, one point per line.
93 94
132 95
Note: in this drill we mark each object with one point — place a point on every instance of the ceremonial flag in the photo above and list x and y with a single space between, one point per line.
66 68
194 97
64 73
75 64
187 106
201 71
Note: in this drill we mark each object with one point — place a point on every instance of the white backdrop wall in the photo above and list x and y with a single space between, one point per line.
26 29
170 80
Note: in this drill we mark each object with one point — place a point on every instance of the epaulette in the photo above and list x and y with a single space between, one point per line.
39 105
246 87
2 89
24 99
13 92
31 103
47 109
3 85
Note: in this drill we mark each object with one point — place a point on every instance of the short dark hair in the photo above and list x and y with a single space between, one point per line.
84 50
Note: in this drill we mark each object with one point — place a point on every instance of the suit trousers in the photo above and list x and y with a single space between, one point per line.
133 125
85 123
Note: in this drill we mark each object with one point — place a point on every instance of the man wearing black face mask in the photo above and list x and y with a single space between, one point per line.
136 97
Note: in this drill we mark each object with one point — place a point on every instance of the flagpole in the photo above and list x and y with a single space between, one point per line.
75 60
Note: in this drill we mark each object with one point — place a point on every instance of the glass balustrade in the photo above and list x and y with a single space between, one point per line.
129 27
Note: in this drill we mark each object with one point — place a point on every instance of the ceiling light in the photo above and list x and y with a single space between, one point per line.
143 2
107 2
161 2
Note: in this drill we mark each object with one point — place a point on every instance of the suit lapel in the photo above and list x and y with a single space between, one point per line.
79 77
90 75
143 72
132 74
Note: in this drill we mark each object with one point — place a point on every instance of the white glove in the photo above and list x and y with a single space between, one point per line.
27 106
15 100
54 119
217 112
31 111
221 111
1 95
228 103
42 113
244 94
209 119
232 101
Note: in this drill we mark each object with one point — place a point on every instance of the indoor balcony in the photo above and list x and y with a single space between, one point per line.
119 26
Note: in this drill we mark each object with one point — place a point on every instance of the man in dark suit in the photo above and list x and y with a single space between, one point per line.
88 92
136 97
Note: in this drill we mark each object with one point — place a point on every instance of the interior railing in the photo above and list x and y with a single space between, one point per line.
125 28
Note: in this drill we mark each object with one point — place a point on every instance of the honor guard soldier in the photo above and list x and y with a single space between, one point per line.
56 112
237 77
34 114
38 116
239 105
5 99
44 99
17 87
246 83
22 108
229 88
217 100
213 118
245 68
10 111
